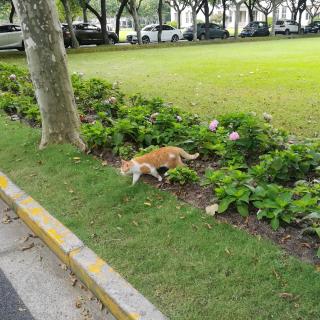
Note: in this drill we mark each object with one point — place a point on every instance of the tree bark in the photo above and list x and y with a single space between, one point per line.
135 17
12 12
46 57
224 5
179 19
103 23
66 6
194 21
160 20
206 17
236 20
84 14
119 14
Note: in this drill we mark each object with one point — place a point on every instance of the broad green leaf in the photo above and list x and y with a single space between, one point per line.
224 204
242 209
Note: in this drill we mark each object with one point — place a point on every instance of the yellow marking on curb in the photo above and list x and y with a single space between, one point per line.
27 200
134 315
55 235
17 195
3 182
97 266
111 270
36 211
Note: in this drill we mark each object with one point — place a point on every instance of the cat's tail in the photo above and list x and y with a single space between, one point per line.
188 156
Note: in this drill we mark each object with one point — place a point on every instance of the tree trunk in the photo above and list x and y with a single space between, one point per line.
224 14
206 16
236 20
274 17
103 23
119 14
179 19
46 57
266 18
135 17
66 6
12 12
160 20
194 20
84 14
250 11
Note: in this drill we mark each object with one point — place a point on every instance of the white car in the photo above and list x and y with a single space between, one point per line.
286 27
150 34
11 37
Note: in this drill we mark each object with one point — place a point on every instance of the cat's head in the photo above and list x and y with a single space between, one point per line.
126 167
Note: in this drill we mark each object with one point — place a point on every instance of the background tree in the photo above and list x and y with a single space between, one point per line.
67 11
48 68
313 9
102 17
265 6
250 4
207 12
237 4
133 8
178 7
7 10
275 6
195 6
160 4
122 6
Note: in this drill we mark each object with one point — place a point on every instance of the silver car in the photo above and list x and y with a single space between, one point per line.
11 37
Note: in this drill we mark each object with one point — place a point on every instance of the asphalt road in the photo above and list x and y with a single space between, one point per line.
34 285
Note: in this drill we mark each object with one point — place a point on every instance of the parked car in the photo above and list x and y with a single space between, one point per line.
255 29
150 34
11 37
286 27
87 33
215 31
313 27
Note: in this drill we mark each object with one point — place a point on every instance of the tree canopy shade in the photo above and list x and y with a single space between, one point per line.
48 68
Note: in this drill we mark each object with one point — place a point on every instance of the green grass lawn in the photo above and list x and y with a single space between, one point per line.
280 77
160 245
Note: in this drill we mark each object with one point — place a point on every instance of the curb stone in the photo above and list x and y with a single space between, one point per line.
124 302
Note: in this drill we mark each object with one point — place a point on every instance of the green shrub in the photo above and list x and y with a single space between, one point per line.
182 175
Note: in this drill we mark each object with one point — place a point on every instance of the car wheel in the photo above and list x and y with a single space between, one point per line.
287 32
225 36
175 38
112 41
202 36
145 40
22 47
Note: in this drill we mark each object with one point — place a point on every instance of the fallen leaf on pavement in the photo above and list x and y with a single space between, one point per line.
28 246
6 219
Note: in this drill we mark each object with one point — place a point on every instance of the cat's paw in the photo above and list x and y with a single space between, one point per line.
160 179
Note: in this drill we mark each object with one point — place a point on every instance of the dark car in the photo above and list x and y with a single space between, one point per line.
313 27
255 29
215 31
87 33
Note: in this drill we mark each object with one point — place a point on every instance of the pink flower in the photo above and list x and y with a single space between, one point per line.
234 136
12 77
213 125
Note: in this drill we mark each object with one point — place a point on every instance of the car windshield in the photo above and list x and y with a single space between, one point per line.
252 24
279 23
148 28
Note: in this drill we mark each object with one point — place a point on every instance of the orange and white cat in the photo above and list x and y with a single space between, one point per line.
169 157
